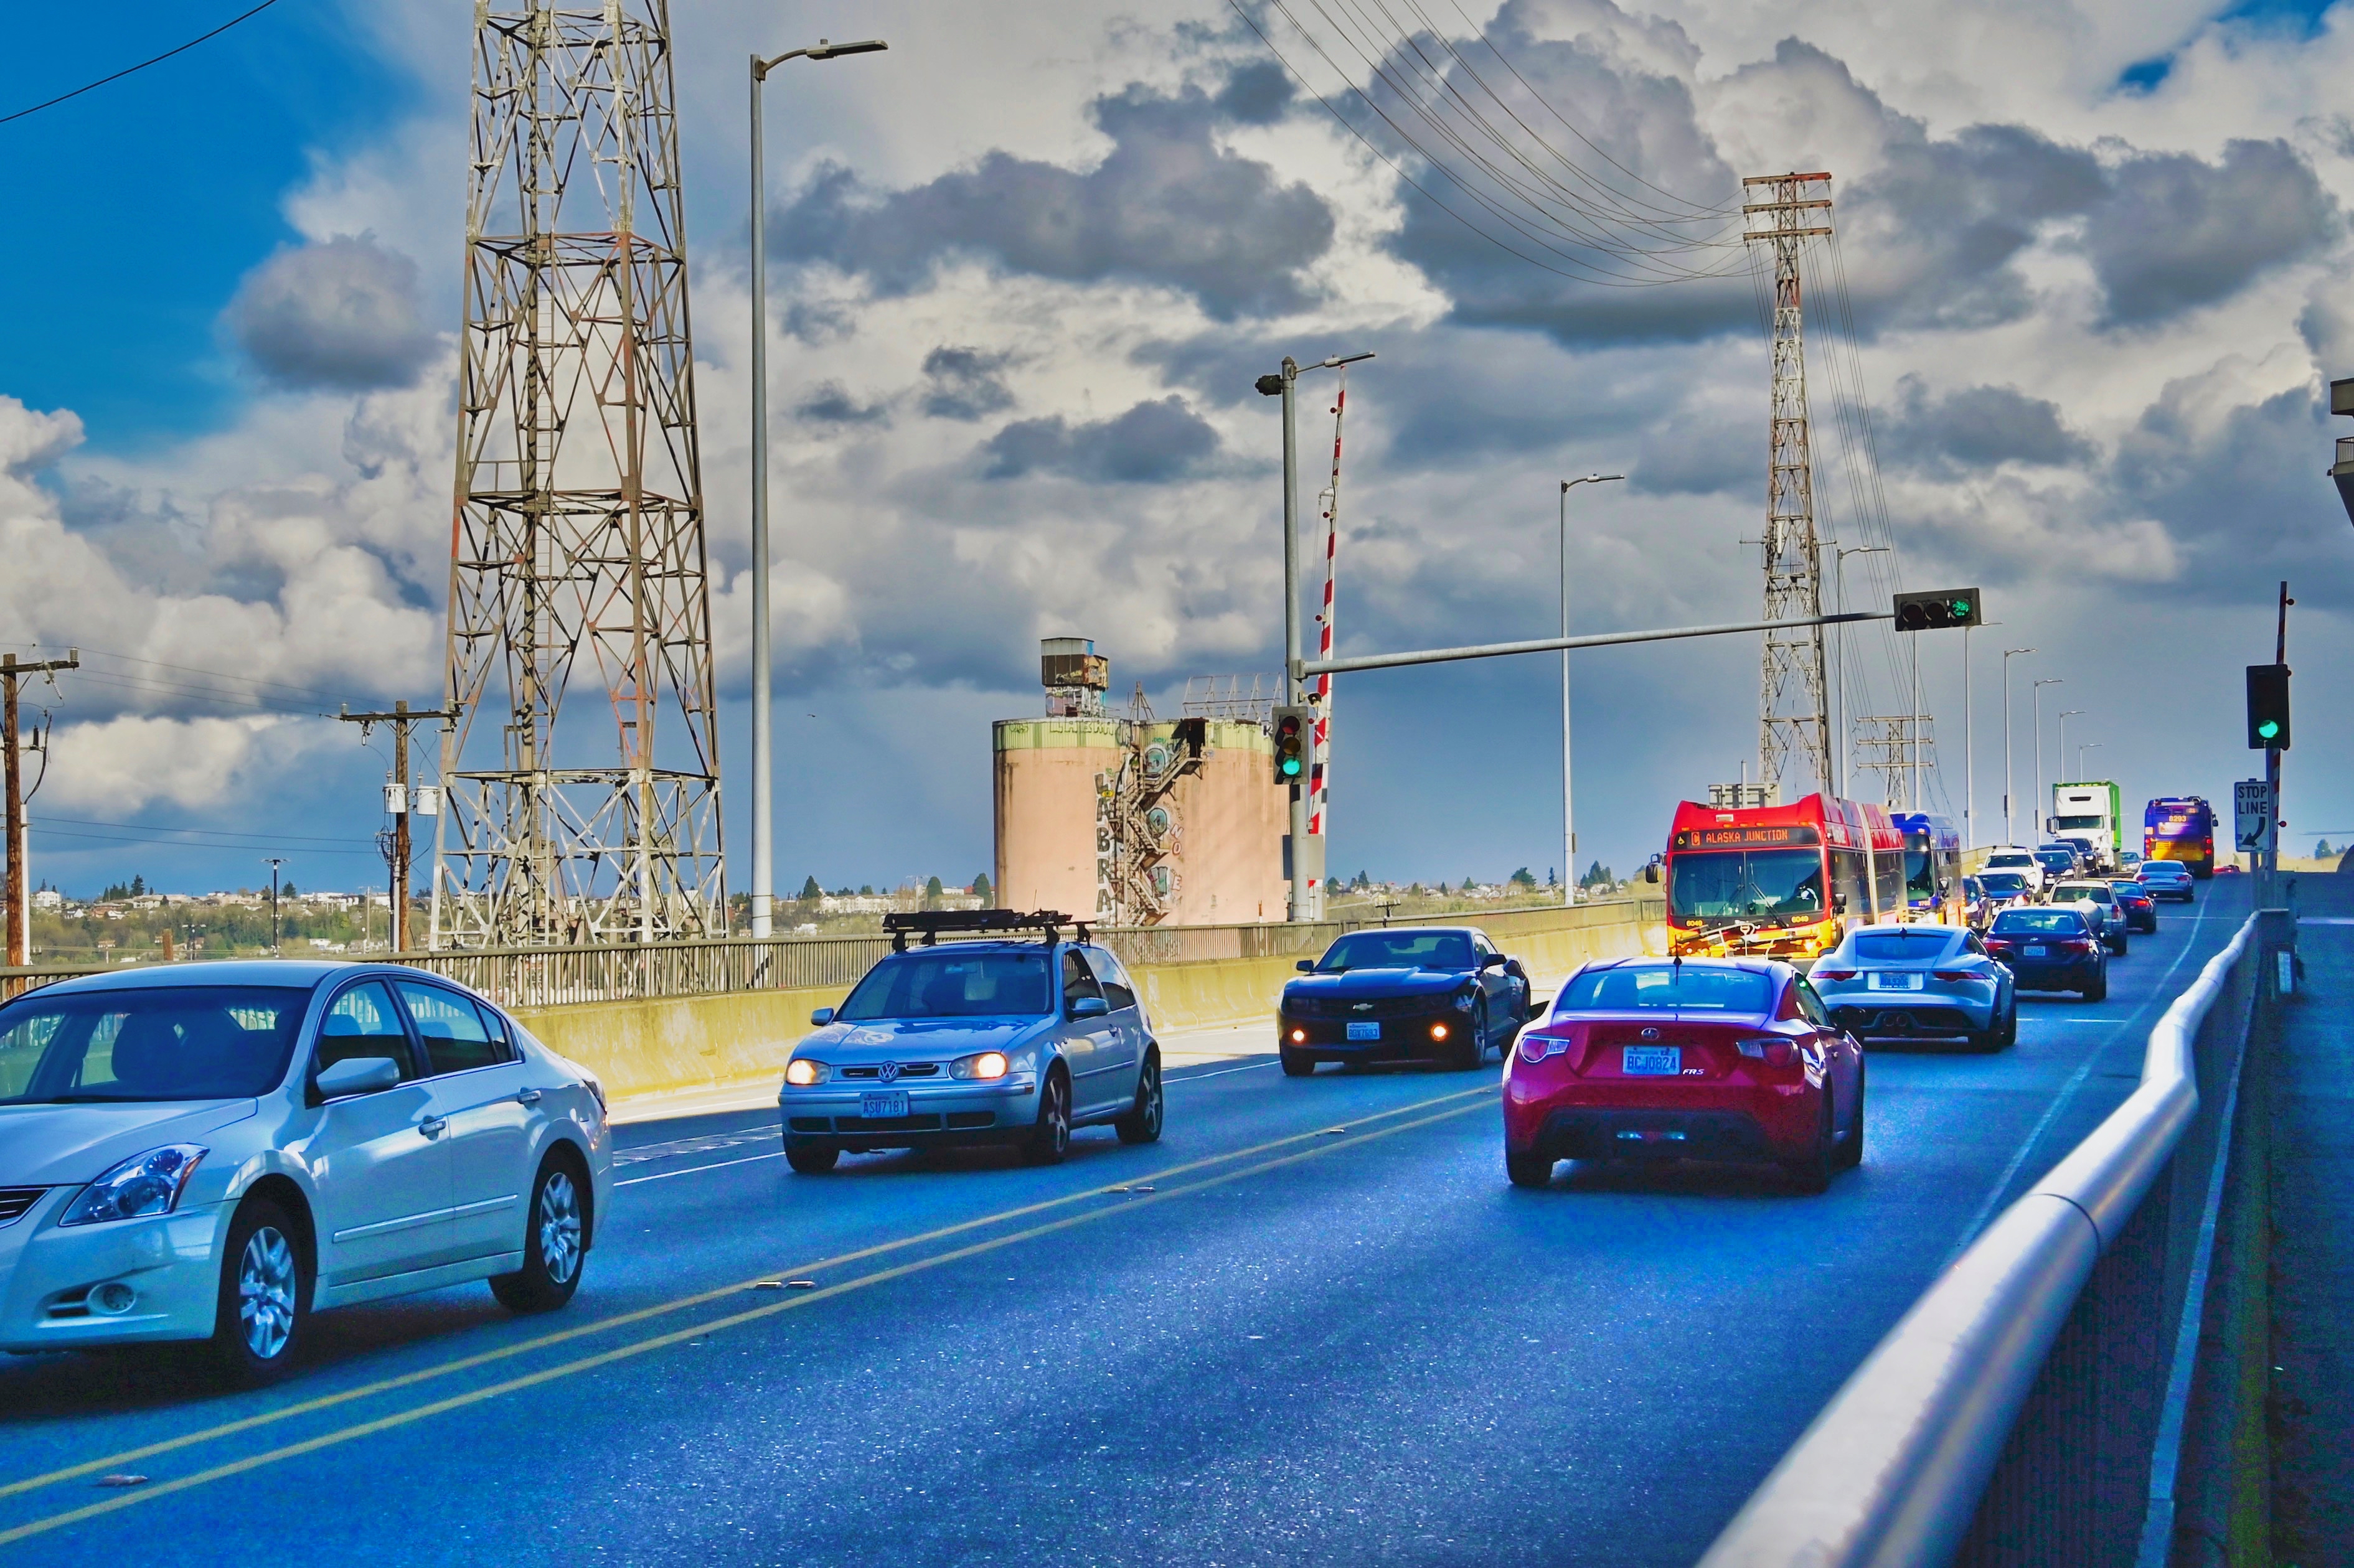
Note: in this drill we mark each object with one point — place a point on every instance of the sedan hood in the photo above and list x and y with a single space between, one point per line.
67 1146
920 1039
1404 981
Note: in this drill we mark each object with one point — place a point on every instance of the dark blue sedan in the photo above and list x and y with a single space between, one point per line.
1444 993
2052 946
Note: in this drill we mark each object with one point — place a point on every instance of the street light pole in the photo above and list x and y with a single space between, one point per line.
2081 750
2048 681
1568 817
274 863
2064 716
764 842
1838 689
2009 833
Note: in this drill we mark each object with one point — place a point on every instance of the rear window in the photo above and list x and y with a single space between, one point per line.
1631 987
1906 945
2018 857
2096 892
2047 921
2003 881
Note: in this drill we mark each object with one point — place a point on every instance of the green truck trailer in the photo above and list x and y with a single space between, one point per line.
2093 810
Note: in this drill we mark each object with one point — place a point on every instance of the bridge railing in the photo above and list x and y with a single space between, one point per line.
547 977
2030 1408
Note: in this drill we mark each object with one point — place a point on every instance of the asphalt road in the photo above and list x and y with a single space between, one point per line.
1328 1332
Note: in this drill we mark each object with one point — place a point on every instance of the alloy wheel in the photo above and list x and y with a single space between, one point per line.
559 1226
268 1279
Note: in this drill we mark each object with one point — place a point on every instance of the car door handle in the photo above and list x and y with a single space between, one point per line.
433 1125
527 1097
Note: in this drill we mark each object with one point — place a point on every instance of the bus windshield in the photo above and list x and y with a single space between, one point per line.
1920 867
1744 885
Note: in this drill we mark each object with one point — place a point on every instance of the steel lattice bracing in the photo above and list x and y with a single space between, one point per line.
576 545
1793 696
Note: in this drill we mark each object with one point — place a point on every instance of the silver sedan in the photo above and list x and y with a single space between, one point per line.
1920 981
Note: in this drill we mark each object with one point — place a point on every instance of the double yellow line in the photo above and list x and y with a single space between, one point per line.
1323 1142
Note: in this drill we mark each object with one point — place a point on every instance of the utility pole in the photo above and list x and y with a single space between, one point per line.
274 862
2270 884
1568 820
399 799
2009 833
18 887
1845 781
1793 707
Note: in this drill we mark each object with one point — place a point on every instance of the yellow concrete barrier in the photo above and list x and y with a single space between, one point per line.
730 1039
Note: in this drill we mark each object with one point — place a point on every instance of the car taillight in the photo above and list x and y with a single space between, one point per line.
1539 1047
2075 945
1821 974
1951 975
1773 1050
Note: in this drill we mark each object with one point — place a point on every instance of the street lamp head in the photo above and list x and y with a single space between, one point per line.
1590 479
1269 386
826 51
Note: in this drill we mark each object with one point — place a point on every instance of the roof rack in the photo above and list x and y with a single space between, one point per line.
929 923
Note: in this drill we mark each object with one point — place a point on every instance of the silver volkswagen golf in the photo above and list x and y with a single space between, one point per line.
211 1152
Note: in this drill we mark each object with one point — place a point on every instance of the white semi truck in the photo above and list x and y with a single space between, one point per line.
2089 811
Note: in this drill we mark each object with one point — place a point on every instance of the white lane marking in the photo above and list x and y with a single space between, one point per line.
2076 1081
698 1169
710 1143
1197 1077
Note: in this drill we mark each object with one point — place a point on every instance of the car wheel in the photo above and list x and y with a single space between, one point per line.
1811 1171
265 1296
1296 1066
1529 1169
1850 1148
2099 990
2125 943
1142 1124
1051 1139
1474 1048
2010 1023
811 1159
555 1242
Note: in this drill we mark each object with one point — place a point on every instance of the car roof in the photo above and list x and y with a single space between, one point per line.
303 974
1755 966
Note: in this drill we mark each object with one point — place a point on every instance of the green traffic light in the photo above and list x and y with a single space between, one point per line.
2269 728
1962 608
1290 765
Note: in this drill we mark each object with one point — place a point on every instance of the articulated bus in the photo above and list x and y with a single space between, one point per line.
1933 867
2180 828
1785 881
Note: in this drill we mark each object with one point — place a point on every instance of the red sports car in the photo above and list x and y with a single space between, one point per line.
1699 1058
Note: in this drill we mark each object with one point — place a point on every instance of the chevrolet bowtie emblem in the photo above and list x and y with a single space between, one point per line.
1362 1007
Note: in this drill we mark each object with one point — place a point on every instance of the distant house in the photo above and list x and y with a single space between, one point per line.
48 898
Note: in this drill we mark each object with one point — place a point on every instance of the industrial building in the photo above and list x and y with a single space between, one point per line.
1133 820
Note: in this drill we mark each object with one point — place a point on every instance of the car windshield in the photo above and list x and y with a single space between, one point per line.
945 983
1397 951
2058 859
1739 884
1906 943
1920 867
2014 857
2000 882
2060 922
2090 891
1634 987
181 1043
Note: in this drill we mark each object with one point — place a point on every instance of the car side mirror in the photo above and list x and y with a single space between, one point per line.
1089 1007
358 1076
1305 966
1491 960
821 1017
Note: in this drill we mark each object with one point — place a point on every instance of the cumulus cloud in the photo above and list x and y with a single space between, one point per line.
130 762
1167 205
965 383
1151 443
2177 232
346 313
1974 428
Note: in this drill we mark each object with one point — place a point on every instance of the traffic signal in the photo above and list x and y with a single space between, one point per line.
2268 707
1293 726
1940 611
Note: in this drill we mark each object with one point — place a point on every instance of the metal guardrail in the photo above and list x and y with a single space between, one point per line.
2013 1414
547 977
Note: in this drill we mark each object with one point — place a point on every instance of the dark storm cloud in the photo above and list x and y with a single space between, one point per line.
344 314
1152 443
831 404
1166 206
1976 427
2177 232
965 383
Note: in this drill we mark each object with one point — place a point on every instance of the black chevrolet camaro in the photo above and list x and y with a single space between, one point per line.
1402 993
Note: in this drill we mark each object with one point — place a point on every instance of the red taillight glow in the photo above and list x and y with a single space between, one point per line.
1539 1047
1772 1049
1951 975
1821 974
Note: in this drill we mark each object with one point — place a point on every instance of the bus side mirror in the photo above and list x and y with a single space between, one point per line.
1651 873
1839 903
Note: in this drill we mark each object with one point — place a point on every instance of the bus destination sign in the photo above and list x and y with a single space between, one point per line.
1745 837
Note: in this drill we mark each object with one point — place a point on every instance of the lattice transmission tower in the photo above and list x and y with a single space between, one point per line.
1793 696
577 548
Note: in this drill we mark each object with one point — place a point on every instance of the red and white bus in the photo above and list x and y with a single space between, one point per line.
1783 882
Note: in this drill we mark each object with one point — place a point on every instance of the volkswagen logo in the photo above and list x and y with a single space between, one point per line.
889 1072
1651 1034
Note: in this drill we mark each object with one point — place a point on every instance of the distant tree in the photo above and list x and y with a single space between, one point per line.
865 890
984 890
1597 875
289 891
1469 884
138 887
1415 890
2322 851
932 892
1525 878
841 893
1553 877
810 891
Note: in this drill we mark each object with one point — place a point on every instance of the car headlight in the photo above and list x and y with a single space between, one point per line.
985 1066
1462 1002
801 1072
149 1183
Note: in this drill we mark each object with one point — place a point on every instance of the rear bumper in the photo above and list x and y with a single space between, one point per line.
1928 1019
2029 975
1617 1120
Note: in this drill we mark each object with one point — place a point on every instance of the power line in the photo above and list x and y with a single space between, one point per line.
143 65
209 833
258 844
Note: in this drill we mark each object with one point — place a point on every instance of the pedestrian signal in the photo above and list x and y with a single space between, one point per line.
1939 611
1293 728
2267 707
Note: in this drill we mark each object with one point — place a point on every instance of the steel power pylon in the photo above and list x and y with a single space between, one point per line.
577 548
1793 697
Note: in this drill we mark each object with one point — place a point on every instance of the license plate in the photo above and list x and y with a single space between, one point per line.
2035 952
883 1106
1889 980
1365 1032
1652 1061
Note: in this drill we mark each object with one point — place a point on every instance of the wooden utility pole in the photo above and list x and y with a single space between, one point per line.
19 896
396 800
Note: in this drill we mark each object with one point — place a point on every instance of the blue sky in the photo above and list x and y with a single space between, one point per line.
2096 322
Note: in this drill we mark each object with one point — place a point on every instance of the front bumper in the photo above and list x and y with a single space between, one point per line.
1601 1119
1410 1038
1793 944
171 1262
828 1114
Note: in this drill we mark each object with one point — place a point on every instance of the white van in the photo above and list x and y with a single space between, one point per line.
2012 858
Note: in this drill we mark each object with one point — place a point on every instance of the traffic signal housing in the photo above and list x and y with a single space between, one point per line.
1940 611
1293 729
2267 707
